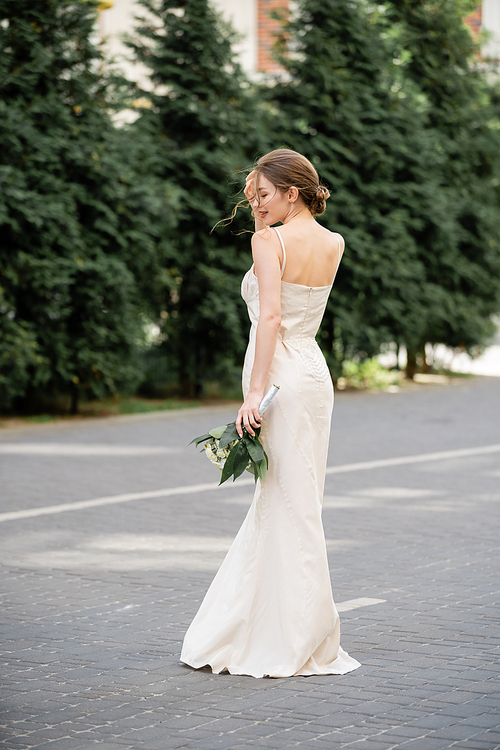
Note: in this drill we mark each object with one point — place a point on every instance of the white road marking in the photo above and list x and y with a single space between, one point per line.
49 510
70 550
341 607
82 449
156 543
118 552
127 607
357 603
417 459
210 487
396 493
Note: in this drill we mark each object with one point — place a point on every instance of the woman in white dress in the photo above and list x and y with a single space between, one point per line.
270 611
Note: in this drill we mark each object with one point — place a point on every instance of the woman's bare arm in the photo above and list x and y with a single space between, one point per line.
265 250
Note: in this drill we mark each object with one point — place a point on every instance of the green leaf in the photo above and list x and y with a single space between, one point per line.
254 448
265 466
240 463
252 469
229 435
262 467
217 432
227 471
200 439
233 462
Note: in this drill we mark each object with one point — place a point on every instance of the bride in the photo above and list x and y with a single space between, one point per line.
270 611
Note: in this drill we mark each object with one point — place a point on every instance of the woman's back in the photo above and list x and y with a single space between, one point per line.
313 254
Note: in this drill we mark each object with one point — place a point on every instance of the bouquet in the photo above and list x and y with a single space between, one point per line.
233 454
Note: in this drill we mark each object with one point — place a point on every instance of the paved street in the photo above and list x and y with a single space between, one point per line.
111 530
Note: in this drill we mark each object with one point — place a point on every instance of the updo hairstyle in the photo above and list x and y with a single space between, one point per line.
285 169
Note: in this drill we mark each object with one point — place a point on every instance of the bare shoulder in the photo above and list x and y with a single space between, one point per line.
266 237
335 239
266 247
341 241
315 233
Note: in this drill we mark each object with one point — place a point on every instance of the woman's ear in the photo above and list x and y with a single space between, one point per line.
293 194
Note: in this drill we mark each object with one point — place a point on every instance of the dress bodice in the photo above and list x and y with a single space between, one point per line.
302 309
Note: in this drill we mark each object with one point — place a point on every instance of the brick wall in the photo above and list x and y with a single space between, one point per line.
267 28
474 20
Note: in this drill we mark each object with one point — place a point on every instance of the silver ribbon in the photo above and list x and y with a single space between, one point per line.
273 390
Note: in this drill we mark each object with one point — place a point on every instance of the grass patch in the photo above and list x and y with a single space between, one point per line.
452 373
39 418
137 405
368 375
105 408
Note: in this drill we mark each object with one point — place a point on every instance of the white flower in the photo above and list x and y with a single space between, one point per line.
216 454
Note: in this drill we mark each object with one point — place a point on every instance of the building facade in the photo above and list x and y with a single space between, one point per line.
486 18
251 20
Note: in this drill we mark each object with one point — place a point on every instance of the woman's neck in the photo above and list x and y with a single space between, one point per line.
301 213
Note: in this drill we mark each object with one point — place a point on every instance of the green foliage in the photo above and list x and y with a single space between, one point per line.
103 228
145 406
79 235
386 102
336 108
199 127
459 245
367 374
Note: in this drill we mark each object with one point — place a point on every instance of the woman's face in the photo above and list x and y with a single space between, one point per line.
269 205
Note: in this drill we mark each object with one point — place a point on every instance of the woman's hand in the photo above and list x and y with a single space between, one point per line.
253 199
249 193
248 414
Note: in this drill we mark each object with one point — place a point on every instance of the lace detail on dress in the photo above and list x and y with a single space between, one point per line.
312 355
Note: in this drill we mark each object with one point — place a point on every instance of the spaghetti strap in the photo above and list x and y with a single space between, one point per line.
283 248
340 254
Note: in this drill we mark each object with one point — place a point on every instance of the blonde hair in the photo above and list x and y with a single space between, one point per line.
285 168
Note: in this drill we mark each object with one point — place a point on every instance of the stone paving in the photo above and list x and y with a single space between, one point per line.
96 599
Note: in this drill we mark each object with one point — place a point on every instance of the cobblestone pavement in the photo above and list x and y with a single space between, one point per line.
96 596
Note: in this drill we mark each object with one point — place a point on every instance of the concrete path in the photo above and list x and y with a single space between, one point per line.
111 531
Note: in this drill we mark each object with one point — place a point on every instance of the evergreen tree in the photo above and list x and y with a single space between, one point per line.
386 102
77 230
460 250
202 126
336 106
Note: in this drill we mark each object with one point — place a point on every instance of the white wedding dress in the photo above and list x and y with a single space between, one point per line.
269 610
